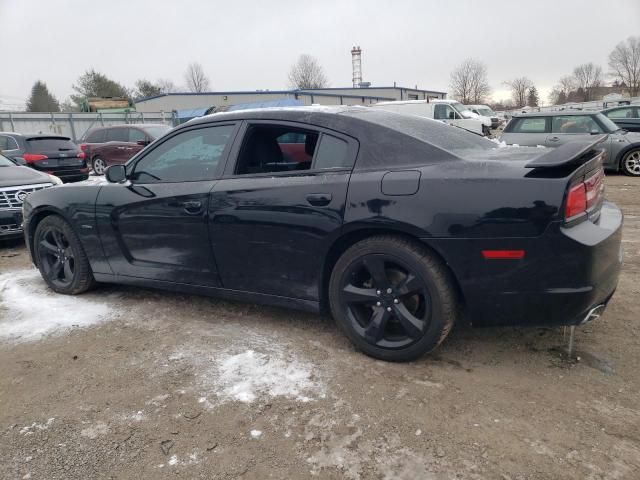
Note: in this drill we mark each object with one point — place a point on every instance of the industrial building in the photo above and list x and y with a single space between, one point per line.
169 102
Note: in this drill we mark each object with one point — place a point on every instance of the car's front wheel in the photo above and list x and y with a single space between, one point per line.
60 257
631 163
98 166
393 299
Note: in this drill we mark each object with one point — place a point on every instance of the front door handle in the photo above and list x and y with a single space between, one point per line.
319 199
192 207
553 139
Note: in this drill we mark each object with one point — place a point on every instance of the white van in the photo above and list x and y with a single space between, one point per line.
448 111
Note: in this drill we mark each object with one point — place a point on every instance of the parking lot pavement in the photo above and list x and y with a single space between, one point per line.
125 382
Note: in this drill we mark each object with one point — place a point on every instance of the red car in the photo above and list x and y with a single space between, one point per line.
115 144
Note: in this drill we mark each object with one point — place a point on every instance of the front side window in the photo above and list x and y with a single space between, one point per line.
136 135
189 156
97 136
574 124
444 112
529 125
621 113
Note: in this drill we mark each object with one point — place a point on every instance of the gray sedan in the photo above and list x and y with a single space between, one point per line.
552 129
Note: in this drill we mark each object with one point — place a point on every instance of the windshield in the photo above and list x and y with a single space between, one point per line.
608 124
463 110
5 162
487 112
156 132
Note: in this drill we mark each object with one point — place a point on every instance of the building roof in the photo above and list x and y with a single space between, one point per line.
310 91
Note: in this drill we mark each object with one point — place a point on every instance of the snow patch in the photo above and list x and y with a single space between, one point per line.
95 431
29 310
29 429
256 433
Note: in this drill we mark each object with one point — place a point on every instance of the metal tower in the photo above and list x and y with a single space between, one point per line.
356 63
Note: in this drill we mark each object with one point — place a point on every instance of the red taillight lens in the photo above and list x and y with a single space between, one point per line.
33 157
82 155
576 201
503 254
585 195
83 147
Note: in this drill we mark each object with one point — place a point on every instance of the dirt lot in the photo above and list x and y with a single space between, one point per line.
134 383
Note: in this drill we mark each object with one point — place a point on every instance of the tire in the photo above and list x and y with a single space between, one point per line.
98 165
402 319
630 163
486 131
59 255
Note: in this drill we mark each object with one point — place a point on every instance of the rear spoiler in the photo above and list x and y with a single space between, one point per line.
566 154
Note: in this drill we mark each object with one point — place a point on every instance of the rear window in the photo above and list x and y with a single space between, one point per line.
452 139
528 125
581 124
48 144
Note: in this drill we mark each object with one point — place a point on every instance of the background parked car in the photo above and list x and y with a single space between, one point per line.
485 111
116 144
553 129
627 117
16 183
53 154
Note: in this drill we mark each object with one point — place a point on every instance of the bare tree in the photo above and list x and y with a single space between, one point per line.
561 92
519 90
469 82
197 81
624 62
587 76
307 73
166 86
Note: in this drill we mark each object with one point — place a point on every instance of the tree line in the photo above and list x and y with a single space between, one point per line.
469 83
306 72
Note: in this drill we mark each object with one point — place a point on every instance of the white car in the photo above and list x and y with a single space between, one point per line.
447 111
485 111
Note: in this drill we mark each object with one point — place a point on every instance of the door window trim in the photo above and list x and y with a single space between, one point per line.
131 164
232 159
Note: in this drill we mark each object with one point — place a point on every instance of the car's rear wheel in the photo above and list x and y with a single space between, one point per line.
392 298
98 165
631 163
60 257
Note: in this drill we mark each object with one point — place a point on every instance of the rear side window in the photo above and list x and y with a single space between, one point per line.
529 125
332 153
579 124
8 143
118 135
97 136
136 135
47 144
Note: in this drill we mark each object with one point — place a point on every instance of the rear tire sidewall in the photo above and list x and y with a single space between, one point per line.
435 331
82 277
623 165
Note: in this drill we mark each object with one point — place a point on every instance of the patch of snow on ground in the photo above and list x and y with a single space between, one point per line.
29 429
29 310
247 375
95 431
256 433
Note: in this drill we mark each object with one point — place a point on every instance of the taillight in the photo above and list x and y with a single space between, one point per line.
82 155
33 157
584 195
83 147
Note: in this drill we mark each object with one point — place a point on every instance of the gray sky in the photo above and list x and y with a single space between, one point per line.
251 44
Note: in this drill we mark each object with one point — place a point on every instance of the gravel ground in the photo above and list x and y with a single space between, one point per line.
135 383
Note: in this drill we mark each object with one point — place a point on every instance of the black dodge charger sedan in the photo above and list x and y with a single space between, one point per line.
398 225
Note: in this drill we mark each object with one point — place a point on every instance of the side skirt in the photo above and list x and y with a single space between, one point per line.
227 294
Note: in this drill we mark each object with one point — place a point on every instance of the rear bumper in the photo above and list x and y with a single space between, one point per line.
565 273
67 175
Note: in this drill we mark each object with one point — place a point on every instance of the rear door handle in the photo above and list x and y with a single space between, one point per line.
553 139
319 199
192 207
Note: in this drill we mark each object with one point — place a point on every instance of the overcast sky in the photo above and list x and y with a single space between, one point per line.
249 45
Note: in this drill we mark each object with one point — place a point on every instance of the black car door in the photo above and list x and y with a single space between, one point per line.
276 210
154 225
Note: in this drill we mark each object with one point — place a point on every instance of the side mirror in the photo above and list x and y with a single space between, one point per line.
143 142
116 173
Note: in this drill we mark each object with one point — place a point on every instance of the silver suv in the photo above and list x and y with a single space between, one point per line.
552 129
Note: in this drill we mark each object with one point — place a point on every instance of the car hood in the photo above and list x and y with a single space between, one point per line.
15 176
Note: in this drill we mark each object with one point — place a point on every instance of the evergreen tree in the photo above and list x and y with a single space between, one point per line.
95 84
145 88
533 98
41 100
562 98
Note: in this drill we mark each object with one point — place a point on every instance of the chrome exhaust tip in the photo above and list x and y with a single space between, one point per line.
593 314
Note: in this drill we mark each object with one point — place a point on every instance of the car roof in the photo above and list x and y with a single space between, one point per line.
138 125
618 107
558 113
29 136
